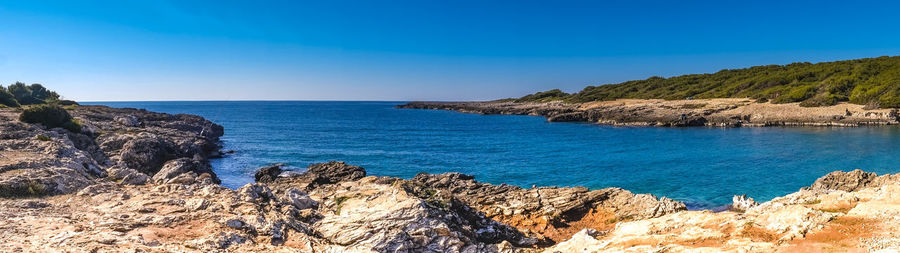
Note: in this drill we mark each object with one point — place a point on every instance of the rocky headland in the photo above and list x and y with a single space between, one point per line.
723 112
139 181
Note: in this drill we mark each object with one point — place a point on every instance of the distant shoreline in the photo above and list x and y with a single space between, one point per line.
722 112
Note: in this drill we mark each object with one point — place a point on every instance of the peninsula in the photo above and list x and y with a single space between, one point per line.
842 93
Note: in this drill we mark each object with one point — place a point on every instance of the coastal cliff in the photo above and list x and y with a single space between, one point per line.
134 180
125 145
723 112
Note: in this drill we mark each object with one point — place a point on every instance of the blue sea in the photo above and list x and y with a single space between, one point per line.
701 166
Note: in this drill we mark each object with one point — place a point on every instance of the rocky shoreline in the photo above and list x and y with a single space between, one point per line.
679 113
134 180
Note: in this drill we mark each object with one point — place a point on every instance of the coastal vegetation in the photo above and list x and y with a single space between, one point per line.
19 94
51 116
7 99
544 96
40 105
874 82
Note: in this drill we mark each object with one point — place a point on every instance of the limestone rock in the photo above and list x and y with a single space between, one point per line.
300 199
147 153
256 193
850 181
742 203
35 161
583 241
128 120
379 214
392 220
173 169
553 212
127 175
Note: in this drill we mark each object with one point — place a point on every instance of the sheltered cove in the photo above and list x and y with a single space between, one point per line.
139 180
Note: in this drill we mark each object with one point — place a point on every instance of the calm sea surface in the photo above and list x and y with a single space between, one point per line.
703 167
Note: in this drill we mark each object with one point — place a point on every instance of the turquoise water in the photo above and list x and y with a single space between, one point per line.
702 166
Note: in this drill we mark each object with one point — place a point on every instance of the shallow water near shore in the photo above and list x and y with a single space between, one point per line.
701 166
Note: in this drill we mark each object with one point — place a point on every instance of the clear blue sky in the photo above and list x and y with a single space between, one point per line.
413 50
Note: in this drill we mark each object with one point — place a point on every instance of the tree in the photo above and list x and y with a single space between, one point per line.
7 99
32 94
38 92
21 92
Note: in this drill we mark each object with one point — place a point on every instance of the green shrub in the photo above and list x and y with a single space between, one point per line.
544 96
73 125
66 102
795 94
21 92
821 99
31 94
42 137
51 116
7 99
889 102
31 188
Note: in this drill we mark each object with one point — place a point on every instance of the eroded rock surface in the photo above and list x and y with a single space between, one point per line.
742 203
852 181
554 213
817 219
123 145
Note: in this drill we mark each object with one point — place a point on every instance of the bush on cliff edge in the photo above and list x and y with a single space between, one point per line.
19 94
7 99
51 116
